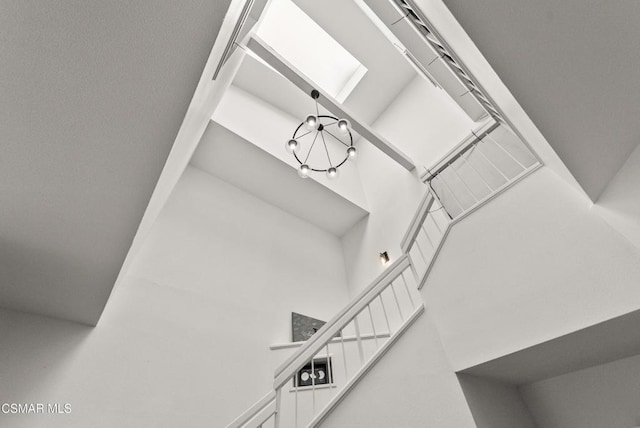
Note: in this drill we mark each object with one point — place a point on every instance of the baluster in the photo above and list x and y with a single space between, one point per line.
427 235
295 410
477 173
313 384
276 414
463 183
433 219
329 371
384 311
479 150
373 327
506 151
397 302
439 177
360 349
420 249
413 305
413 267
437 198
344 356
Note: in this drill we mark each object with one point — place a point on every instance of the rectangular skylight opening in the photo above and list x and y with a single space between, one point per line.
306 45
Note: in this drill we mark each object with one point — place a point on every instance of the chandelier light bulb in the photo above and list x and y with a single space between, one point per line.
304 170
292 146
311 122
343 126
317 122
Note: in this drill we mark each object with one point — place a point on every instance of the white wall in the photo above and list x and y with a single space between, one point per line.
424 122
619 203
601 396
393 195
411 386
529 266
495 404
269 128
186 337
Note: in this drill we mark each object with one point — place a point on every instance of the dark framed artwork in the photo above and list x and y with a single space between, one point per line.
318 373
303 327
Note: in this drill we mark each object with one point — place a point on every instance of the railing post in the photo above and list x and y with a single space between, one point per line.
373 327
384 310
453 195
395 296
436 197
360 349
413 271
344 355
276 418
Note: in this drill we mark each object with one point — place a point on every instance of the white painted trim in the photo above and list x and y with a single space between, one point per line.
255 410
295 76
311 388
350 85
289 345
421 53
321 416
435 255
485 128
338 322
471 210
418 219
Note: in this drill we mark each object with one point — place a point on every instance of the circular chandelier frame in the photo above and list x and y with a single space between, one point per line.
320 130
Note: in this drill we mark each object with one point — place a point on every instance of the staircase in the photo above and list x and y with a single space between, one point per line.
487 163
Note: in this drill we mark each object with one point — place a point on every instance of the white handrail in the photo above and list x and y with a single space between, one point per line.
421 243
328 331
459 149
417 220
253 411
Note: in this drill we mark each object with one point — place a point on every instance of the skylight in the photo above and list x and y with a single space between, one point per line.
302 42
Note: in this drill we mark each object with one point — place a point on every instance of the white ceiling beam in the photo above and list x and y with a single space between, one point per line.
271 57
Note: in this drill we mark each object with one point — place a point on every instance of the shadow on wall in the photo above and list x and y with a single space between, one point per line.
33 352
53 281
495 404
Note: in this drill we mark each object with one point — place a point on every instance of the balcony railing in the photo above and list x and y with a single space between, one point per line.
486 163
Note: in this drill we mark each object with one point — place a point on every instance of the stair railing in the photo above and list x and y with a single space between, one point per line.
329 364
486 163
425 236
309 384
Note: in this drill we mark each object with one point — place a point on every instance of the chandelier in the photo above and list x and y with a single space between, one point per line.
321 131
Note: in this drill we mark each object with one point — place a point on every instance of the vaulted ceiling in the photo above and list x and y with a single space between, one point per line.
92 97
573 66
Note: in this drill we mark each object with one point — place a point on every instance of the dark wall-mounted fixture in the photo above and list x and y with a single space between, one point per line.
384 258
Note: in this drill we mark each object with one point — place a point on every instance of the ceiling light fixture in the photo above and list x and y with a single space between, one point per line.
323 128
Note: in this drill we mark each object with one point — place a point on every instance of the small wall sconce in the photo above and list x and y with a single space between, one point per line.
384 258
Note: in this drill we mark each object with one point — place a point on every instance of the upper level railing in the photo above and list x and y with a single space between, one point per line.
424 237
319 374
483 165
